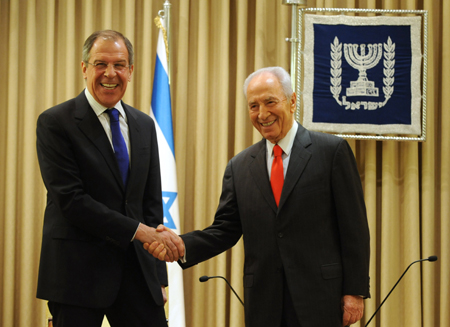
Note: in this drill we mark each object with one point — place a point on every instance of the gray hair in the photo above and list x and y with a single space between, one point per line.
106 34
283 77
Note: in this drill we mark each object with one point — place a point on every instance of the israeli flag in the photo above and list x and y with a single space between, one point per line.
161 112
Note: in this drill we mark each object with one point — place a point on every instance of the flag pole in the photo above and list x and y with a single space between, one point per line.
293 39
166 13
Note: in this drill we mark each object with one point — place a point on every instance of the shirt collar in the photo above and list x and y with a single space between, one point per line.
98 108
286 142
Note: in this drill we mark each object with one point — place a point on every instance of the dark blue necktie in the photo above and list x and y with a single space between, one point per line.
120 148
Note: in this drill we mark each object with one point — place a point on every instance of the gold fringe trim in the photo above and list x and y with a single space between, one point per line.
160 26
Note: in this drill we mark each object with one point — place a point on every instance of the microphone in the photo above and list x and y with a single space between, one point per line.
431 259
205 278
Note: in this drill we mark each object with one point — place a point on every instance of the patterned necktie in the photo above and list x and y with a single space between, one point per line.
277 176
120 148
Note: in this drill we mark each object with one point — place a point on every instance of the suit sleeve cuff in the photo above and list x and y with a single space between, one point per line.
132 239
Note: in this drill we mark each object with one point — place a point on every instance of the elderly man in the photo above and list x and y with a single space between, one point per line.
296 198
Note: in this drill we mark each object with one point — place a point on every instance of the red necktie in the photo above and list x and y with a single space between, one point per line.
277 176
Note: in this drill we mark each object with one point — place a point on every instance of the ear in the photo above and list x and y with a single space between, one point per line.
293 102
83 69
131 72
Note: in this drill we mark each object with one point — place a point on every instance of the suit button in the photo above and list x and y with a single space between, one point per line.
280 235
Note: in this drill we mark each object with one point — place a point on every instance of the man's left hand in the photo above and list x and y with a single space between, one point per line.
164 294
352 308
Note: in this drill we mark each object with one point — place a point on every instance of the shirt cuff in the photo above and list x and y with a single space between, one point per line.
183 258
132 239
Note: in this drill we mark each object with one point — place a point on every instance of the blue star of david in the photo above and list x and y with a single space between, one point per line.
168 220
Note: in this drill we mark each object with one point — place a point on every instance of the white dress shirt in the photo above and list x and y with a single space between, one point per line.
103 117
285 144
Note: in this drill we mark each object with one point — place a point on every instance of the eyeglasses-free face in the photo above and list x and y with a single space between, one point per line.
270 112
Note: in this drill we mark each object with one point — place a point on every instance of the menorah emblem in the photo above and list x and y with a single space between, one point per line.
362 62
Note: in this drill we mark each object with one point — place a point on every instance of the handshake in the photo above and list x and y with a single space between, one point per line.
161 242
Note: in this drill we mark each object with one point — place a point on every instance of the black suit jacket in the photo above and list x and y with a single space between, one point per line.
90 218
318 236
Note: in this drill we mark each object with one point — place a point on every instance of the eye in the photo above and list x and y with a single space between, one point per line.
120 66
100 65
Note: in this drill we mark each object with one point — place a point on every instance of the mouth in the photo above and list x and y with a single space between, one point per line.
268 124
109 86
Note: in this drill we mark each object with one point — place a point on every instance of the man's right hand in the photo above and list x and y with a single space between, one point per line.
170 246
159 250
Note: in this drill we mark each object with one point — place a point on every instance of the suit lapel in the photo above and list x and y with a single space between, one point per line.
258 170
297 163
135 144
89 124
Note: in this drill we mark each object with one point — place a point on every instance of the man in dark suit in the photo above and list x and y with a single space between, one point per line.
101 208
306 240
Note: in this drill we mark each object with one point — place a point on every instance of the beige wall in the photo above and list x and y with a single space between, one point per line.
216 44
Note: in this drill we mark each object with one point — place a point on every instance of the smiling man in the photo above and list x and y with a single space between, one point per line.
296 198
99 162
270 109
107 70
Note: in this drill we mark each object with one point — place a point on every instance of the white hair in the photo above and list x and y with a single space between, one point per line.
283 77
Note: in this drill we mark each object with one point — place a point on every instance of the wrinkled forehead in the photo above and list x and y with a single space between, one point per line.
263 87
109 47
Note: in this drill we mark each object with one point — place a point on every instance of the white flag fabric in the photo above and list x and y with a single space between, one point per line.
161 112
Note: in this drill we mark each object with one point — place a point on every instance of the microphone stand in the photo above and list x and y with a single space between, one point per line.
205 278
431 259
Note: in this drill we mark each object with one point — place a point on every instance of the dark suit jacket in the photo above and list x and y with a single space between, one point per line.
318 237
90 217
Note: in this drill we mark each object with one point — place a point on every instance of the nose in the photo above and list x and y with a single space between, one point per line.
264 113
110 71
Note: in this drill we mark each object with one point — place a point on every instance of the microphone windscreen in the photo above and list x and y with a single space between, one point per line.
432 258
203 278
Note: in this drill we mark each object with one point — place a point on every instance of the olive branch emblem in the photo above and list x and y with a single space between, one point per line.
336 76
